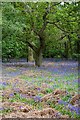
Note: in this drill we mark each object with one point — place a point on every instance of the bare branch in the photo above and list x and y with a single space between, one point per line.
45 16
45 19
54 23
62 37
32 46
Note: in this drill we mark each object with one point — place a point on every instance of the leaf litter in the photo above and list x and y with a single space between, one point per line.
22 95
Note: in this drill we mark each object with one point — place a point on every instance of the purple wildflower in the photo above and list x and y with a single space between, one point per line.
16 89
20 107
77 110
62 102
38 89
23 96
14 85
3 83
73 108
1 108
58 115
11 95
37 98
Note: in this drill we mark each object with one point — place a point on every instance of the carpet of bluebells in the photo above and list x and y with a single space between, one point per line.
49 91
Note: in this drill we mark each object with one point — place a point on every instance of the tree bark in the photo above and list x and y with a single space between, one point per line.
30 55
37 51
66 50
38 54
38 58
70 46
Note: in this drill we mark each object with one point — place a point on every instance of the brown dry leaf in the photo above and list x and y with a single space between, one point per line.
16 115
60 92
50 97
30 73
5 104
46 97
0 117
43 91
47 112
6 93
44 85
74 99
64 116
17 106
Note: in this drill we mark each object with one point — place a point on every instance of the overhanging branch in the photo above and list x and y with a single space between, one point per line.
45 19
54 23
62 37
32 46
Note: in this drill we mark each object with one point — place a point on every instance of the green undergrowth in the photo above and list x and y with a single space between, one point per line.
5 111
29 101
57 82
63 110
53 82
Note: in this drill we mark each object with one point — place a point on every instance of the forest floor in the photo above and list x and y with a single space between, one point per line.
49 91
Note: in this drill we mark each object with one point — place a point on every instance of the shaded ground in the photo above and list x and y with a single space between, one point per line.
50 91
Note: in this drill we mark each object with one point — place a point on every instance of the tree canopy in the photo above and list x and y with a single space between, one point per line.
50 29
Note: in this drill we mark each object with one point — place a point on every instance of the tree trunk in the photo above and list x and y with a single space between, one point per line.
38 54
30 55
38 58
70 47
66 50
27 53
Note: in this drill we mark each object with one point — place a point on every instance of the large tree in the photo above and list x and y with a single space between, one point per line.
38 16
36 24
65 18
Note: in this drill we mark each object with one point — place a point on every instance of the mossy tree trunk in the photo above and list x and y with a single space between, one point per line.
30 55
38 58
66 50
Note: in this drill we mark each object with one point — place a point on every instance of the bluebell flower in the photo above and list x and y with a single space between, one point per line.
1 108
17 89
58 115
77 110
73 108
62 102
23 95
3 83
37 98
38 89
11 95
20 107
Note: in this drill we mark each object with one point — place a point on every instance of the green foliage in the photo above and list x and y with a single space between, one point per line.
48 90
12 44
22 22
5 111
